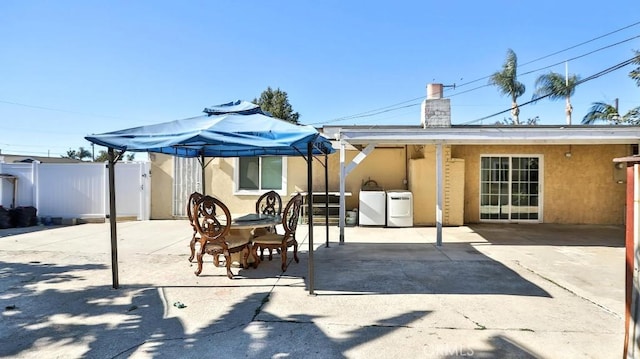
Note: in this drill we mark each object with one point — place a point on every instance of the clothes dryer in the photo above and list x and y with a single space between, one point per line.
399 208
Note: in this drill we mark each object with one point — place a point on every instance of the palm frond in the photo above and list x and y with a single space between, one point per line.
600 111
635 73
506 80
632 117
555 86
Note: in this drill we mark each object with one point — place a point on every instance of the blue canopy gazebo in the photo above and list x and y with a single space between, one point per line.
235 129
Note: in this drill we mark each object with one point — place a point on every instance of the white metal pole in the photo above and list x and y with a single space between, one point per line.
439 196
342 211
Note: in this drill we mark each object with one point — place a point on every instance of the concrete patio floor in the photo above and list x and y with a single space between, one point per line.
508 291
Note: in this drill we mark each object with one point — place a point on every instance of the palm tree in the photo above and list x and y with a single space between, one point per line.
601 111
508 84
555 87
635 73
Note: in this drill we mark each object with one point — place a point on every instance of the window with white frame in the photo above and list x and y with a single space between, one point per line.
258 174
510 188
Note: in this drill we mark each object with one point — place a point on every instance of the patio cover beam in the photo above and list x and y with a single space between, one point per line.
344 171
502 135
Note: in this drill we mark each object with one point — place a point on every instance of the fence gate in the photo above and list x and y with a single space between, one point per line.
187 179
78 190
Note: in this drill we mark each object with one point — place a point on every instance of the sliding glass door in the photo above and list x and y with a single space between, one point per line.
510 188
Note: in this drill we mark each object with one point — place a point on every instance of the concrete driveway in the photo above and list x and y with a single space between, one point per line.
520 291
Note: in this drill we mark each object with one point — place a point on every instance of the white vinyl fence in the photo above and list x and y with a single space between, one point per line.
77 190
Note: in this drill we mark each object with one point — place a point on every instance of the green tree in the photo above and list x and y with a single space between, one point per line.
601 111
507 83
555 86
635 73
277 103
80 154
104 156
533 121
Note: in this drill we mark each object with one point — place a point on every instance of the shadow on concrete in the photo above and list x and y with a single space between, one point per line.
501 347
551 234
6 232
410 268
47 306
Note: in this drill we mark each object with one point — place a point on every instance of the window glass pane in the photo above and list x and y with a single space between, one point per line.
249 173
272 173
509 188
515 164
485 175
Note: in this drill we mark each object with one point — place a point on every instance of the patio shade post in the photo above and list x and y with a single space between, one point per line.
310 212
202 174
326 198
112 217
439 199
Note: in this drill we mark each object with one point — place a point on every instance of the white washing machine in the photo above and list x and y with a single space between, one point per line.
372 208
399 208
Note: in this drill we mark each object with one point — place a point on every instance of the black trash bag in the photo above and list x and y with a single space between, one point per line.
5 218
24 216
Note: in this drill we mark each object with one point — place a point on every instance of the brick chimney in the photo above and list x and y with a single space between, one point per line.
435 111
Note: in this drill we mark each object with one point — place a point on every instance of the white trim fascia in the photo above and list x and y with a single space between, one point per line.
495 135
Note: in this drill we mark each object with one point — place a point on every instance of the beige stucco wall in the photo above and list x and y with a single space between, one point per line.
219 183
387 166
581 189
422 183
161 186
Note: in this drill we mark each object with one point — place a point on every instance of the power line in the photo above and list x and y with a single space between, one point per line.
552 65
583 55
59 110
370 112
557 52
582 43
393 107
592 77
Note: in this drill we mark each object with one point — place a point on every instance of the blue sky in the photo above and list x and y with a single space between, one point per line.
72 68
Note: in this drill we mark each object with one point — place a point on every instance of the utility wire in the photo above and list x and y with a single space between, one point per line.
392 107
371 112
592 77
59 110
550 66
569 48
582 43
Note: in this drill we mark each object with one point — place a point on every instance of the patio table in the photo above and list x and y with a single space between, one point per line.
242 226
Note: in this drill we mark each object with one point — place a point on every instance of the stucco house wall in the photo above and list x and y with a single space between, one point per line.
580 189
161 186
219 174
422 183
385 165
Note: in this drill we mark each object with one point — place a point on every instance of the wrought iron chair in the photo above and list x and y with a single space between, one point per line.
283 241
193 198
269 203
213 223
